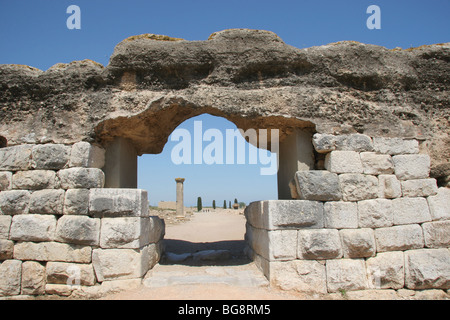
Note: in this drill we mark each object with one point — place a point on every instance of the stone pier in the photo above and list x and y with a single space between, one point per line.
180 204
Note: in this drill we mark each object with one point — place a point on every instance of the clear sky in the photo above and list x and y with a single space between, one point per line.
34 33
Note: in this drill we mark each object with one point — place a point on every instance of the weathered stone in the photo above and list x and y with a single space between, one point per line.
398 238
357 187
340 214
34 180
427 269
5 224
70 273
76 202
52 251
58 289
318 185
343 162
319 244
395 146
389 186
126 232
375 213
81 178
157 229
33 227
437 234
306 276
86 155
15 158
273 245
386 271
324 143
416 166
6 249
33 278
78 230
5 180
14 202
410 210
346 274
440 204
358 243
376 164
11 276
49 201
113 264
419 188
118 202
354 142
50 156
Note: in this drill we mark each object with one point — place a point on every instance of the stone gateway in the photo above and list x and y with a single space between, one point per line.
363 179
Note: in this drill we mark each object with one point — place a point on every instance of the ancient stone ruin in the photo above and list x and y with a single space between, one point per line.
363 180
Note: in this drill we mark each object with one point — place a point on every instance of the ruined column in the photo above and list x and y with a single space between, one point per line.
180 204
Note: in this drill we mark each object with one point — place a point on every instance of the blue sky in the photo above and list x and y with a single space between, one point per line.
34 33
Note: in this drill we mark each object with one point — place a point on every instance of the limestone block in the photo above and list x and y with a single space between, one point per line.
437 234
414 166
356 187
33 278
398 238
389 186
273 245
157 229
81 178
305 276
50 156
386 271
358 243
340 214
11 276
6 249
324 143
343 162
58 289
34 180
440 204
318 185
70 273
419 188
118 202
48 201
5 180
125 232
346 274
354 142
395 146
114 264
285 214
15 158
33 227
375 213
52 251
14 202
86 155
376 164
410 210
76 202
427 269
78 230
319 244
5 224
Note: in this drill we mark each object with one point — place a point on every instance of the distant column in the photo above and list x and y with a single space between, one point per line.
180 204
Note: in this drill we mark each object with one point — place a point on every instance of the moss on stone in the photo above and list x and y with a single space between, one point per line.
151 36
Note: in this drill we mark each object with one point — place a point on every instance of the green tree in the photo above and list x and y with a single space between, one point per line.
229 204
224 204
235 200
199 204
214 204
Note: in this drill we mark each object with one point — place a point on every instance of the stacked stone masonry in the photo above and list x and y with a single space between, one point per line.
372 220
60 231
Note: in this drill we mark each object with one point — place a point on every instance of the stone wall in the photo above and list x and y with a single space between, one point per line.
373 219
60 231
